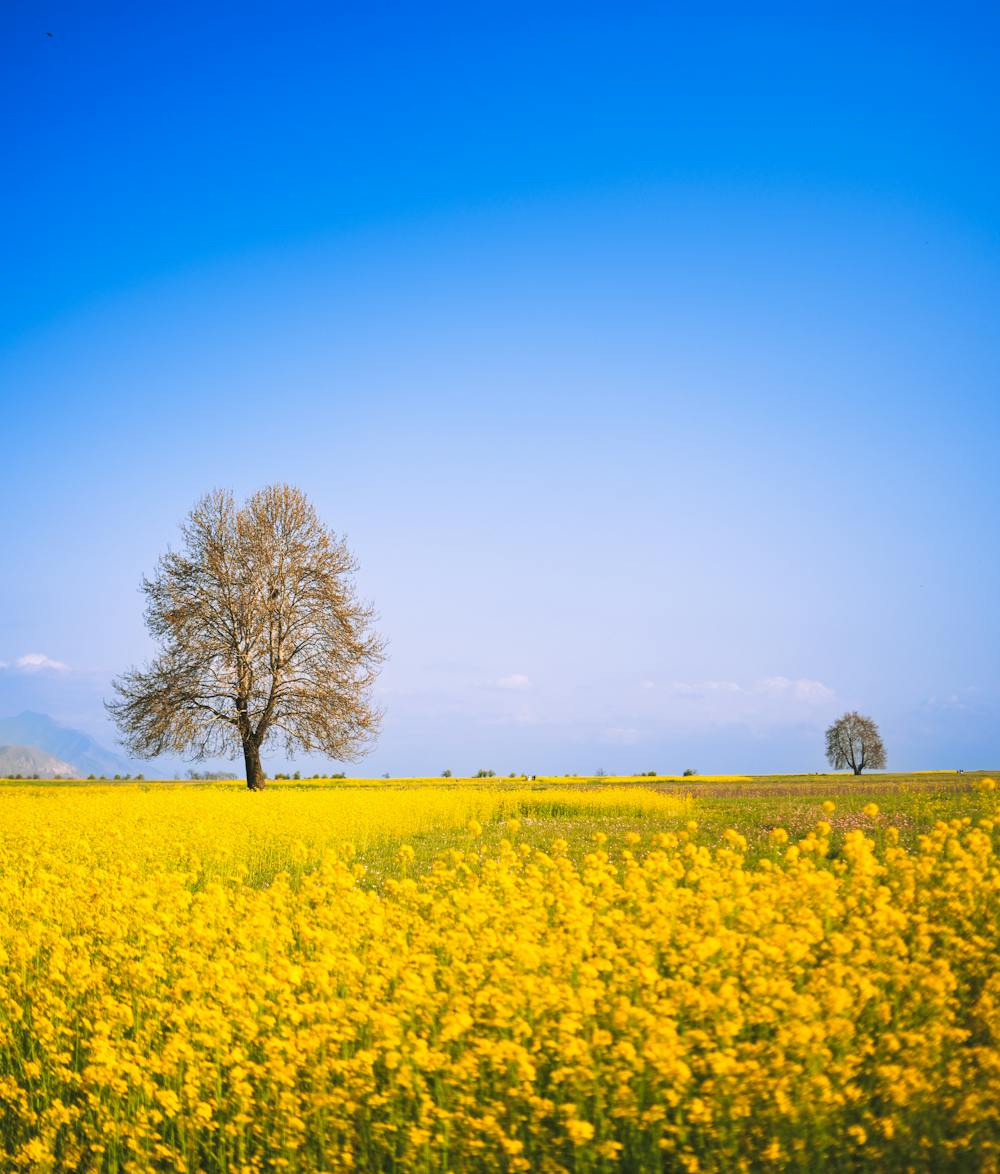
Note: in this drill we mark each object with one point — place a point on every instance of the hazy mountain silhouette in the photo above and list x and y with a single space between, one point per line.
72 747
23 762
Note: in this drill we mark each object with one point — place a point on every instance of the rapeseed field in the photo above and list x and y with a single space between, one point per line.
475 978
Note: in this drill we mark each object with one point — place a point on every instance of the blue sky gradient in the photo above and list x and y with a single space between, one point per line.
648 358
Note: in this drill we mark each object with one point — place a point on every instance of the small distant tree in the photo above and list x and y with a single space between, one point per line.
261 634
689 772
446 774
854 741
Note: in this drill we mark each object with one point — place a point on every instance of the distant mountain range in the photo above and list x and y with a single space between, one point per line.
75 752
25 762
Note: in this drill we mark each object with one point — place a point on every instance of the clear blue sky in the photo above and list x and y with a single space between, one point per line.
647 355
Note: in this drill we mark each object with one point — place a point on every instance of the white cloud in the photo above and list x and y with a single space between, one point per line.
33 662
514 681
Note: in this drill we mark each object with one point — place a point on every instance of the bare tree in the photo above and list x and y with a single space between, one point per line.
854 741
262 636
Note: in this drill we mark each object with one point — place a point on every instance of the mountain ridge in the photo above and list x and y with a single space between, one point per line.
25 762
73 748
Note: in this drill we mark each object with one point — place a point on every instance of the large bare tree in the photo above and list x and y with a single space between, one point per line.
854 741
262 637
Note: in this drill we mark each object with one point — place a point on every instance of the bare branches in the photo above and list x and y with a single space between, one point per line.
854 741
262 635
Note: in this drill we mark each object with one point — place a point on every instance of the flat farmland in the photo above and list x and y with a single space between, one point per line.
562 974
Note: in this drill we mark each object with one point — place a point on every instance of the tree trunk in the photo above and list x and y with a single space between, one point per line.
858 769
255 774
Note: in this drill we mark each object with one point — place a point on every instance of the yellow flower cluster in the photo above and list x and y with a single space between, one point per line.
494 780
209 834
655 1005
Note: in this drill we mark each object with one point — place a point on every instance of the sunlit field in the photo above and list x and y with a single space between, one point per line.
502 974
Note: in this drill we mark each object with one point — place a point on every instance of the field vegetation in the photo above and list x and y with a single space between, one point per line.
556 975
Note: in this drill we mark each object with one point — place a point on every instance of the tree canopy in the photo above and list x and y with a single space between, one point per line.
262 637
854 741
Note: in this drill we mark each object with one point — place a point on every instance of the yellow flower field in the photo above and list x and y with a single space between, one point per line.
199 979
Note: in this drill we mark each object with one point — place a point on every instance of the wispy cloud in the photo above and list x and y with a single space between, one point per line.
699 689
962 699
802 689
622 735
799 689
764 703
33 662
514 681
